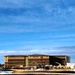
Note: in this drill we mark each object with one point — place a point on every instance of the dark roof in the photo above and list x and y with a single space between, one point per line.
29 55
14 55
35 55
39 55
60 55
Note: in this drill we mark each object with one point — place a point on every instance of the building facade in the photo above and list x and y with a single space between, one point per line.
14 60
34 60
59 59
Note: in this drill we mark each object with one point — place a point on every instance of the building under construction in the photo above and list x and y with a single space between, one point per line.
34 60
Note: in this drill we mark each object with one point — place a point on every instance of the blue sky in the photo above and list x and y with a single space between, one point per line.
37 26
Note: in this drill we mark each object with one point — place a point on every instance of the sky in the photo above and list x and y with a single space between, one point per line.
37 27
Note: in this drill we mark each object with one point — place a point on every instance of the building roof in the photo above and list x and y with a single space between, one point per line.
60 55
29 55
13 55
39 55
34 55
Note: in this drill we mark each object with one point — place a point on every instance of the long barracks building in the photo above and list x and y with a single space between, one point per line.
33 60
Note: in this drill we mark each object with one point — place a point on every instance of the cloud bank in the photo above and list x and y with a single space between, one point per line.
67 50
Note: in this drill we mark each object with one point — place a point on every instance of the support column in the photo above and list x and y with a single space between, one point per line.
26 61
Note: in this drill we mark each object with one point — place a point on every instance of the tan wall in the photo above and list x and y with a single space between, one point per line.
35 60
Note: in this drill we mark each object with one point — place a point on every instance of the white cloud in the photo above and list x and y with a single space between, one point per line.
70 50
59 36
30 51
38 51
